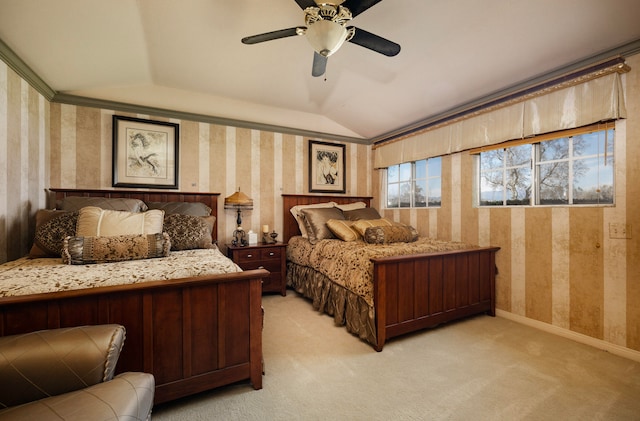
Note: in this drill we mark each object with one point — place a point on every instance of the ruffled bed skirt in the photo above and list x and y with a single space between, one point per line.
347 308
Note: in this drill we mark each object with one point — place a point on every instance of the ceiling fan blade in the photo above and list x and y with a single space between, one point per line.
319 65
359 6
268 36
306 3
374 42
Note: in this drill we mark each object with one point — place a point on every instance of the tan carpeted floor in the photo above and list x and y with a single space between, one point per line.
481 368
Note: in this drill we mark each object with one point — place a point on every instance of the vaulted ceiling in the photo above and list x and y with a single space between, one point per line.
187 56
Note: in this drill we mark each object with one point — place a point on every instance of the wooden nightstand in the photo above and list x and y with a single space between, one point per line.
271 257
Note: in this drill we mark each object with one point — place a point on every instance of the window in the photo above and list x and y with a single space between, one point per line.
506 176
576 169
415 184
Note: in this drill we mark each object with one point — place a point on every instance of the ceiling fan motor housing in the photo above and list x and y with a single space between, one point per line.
326 29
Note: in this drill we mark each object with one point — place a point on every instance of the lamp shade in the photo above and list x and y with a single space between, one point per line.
238 200
326 36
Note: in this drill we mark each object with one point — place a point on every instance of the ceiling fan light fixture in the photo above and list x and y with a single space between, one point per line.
326 37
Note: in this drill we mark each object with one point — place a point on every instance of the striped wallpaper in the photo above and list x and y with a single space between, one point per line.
212 158
557 265
24 125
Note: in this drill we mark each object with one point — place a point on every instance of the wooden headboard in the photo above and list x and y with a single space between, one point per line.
209 199
290 225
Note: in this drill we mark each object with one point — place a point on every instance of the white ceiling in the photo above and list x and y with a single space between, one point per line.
187 56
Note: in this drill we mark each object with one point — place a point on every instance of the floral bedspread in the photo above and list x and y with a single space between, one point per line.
348 264
34 276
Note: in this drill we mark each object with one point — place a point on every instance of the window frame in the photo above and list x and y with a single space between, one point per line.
412 181
536 163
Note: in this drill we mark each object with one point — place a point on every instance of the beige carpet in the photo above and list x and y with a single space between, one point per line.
481 368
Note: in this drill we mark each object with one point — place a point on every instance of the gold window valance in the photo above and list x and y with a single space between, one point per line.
589 99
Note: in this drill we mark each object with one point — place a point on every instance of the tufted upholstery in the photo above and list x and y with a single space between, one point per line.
68 374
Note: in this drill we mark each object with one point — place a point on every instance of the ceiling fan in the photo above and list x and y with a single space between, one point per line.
326 30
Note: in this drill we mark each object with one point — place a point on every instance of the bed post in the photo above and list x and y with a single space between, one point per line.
380 310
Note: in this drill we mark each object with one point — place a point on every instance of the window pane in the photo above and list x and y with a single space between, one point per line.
421 169
587 144
519 155
405 195
554 183
491 159
393 174
405 171
554 149
595 184
518 185
435 167
420 194
435 192
393 195
491 188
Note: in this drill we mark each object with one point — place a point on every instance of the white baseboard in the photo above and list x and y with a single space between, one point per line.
578 337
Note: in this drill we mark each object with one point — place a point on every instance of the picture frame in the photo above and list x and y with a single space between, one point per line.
327 167
145 153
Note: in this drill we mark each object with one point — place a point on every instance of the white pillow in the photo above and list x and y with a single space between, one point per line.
295 211
352 206
96 222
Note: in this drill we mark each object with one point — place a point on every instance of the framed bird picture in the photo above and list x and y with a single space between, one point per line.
145 153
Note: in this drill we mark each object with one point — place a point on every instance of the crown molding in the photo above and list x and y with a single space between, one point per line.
25 72
15 63
536 83
202 118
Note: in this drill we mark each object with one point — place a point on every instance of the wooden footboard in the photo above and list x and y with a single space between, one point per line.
420 291
191 334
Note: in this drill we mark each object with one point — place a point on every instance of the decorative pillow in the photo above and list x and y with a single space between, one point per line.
96 222
183 208
75 203
52 227
362 213
296 212
188 231
343 229
315 220
393 234
351 206
362 224
88 250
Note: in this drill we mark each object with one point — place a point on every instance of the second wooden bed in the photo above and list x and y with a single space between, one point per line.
414 292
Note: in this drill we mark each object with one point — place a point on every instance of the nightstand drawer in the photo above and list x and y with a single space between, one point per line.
273 253
270 265
247 255
251 255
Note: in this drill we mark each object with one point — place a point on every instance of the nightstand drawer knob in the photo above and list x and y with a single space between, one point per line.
249 255
271 253
260 267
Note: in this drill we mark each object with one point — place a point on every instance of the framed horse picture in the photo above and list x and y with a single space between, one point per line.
145 153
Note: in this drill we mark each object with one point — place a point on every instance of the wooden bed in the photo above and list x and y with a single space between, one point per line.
414 292
192 334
